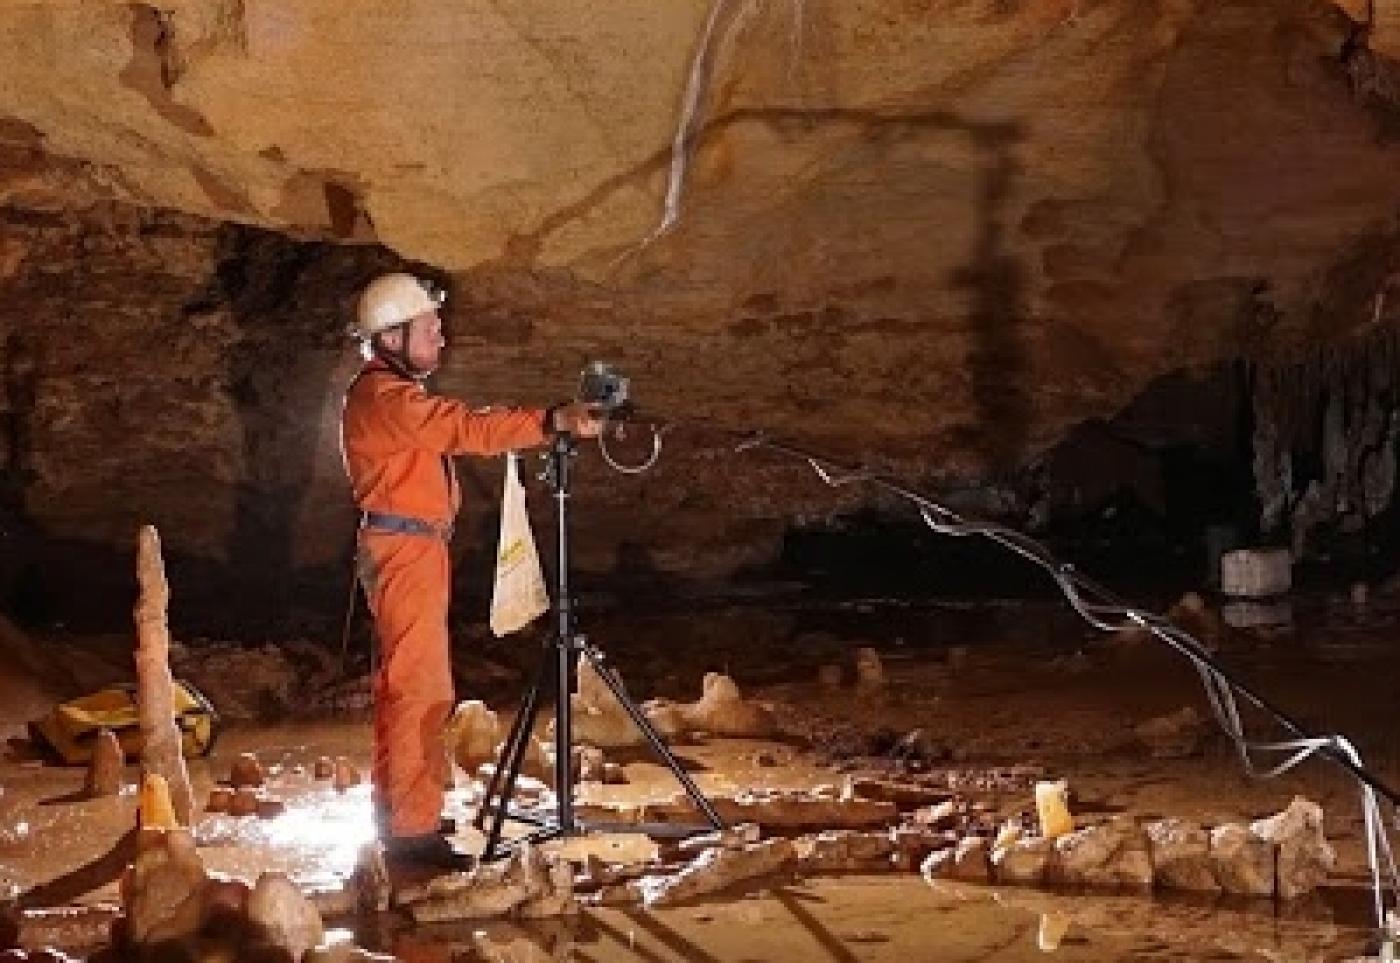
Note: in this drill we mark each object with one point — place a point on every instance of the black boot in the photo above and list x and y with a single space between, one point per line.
426 851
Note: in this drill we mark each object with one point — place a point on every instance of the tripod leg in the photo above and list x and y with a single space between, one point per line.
564 737
528 711
509 749
606 673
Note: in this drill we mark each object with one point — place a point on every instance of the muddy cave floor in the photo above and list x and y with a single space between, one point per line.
1020 684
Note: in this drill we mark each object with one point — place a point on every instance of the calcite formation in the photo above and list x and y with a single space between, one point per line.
526 885
104 775
161 749
941 235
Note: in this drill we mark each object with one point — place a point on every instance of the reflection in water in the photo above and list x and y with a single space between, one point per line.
900 919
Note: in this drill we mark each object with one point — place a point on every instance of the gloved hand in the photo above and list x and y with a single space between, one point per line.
578 419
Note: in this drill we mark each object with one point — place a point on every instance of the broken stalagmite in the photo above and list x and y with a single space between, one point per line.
161 750
104 775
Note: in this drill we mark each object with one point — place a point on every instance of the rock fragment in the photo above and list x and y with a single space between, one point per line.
287 919
1113 854
717 869
104 775
1304 857
1242 862
1181 856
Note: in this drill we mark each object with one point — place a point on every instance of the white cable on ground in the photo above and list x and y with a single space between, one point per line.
1106 613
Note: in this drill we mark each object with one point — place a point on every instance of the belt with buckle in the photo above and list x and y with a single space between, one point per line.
404 525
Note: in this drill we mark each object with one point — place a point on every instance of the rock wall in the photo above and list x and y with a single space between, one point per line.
934 236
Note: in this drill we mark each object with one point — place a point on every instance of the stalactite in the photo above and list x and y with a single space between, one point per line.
1335 407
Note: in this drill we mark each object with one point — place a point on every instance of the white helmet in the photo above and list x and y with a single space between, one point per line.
391 299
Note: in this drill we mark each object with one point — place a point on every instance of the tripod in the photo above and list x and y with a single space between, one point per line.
557 674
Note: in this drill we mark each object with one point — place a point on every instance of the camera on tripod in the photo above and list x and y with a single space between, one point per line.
602 387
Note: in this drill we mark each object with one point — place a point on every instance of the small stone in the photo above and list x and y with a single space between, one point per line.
220 800
966 862
270 807
1023 861
244 803
286 917
324 768
943 815
870 671
104 775
472 734
346 774
589 764
1175 735
246 771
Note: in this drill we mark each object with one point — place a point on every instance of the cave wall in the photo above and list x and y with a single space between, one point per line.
933 236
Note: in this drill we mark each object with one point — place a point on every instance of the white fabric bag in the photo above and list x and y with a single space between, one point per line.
519 596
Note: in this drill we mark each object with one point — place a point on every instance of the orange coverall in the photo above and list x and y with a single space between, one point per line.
397 440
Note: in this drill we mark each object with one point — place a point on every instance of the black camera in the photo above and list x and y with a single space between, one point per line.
602 387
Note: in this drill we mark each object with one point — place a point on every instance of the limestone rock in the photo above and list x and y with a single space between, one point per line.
473 733
941 815
1181 856
1023 860
780 811
287 918
324 768
1304 857
526 884
347 775
104 775
1113 854
717 869
1175 735
733 836
870 670
599 719
344 953
722 711
1242 862
370 880
162 890
968 861
845 851
247 771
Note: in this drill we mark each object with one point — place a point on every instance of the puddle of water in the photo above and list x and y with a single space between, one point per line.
899 919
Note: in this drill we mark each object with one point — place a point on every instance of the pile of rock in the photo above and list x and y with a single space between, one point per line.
1286 856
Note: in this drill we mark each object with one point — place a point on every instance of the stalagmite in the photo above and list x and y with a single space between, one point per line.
870 671
722 711
104 775
246 771
473 733
160 739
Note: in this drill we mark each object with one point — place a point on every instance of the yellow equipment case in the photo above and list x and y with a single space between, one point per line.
71 728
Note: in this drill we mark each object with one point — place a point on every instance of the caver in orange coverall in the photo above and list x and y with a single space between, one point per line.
397 440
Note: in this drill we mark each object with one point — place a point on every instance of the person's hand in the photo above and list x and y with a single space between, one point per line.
578 419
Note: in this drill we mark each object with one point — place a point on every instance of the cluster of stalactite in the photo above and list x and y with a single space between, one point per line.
1325 427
